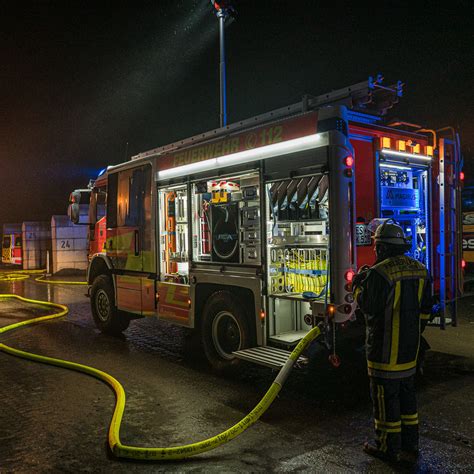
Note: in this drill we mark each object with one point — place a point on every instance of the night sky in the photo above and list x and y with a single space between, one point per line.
88 84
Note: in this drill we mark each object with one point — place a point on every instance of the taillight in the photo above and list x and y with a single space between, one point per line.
461 175
262 314
463 263
349 275
349 161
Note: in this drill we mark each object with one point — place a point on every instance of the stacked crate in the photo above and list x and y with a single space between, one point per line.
36 238
69 244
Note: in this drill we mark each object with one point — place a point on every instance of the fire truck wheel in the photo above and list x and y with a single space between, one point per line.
224 329
106 316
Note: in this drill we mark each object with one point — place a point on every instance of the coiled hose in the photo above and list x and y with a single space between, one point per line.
151 453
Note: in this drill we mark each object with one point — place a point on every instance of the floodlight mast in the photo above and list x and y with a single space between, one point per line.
222 69
223 9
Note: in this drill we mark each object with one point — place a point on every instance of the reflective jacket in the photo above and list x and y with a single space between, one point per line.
395 298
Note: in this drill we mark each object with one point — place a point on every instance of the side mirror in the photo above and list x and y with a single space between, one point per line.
78 208
75 197
74 212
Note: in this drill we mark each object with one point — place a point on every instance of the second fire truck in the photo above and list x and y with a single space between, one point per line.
12 244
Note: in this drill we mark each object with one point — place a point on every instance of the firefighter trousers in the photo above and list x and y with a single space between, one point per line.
395 413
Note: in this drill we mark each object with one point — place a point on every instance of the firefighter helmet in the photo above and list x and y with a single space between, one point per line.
390 233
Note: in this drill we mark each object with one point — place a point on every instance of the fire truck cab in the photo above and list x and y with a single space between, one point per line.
87 207
251 234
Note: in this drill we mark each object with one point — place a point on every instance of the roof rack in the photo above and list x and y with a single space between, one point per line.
370 97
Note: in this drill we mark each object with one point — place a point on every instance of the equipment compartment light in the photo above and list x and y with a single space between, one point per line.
405 155
262 153
395 167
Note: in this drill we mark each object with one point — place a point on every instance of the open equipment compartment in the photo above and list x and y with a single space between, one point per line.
226 223
404 198
173 210
297 230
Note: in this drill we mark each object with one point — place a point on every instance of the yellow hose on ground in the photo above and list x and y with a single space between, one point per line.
15 275
148 453
29 272
59 282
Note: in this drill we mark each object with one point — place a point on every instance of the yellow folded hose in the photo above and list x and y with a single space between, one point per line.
134 452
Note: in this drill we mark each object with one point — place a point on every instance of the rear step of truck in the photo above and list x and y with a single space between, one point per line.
268 356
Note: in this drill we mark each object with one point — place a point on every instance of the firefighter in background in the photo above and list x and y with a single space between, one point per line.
395 297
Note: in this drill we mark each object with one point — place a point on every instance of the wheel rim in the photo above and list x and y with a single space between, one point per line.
102 305
226 334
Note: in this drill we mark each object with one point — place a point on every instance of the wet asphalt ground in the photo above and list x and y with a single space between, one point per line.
54 420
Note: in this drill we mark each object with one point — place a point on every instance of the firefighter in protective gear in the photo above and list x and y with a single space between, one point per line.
395 297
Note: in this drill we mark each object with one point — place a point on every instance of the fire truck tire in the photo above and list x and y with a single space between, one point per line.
106 315
224 329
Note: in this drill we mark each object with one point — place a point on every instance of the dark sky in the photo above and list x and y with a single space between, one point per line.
79 80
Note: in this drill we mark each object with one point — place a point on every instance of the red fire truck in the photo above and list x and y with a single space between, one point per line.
252 233
12 244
